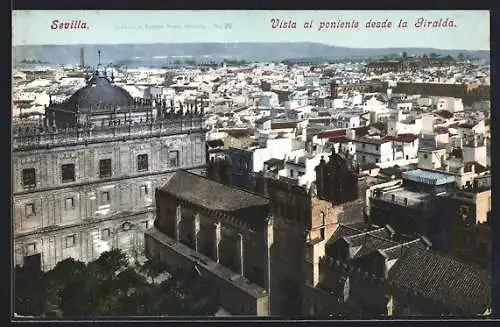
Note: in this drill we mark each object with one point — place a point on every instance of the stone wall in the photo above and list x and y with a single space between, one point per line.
236 294
53 213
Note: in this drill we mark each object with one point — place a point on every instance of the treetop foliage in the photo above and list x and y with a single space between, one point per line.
108 286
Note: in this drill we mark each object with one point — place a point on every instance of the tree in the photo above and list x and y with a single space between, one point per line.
65 272
153 267
108 286
75 298
129 278
110 263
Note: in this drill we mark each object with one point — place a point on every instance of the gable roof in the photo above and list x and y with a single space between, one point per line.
331 133
443 279
434 276
404 138
284 125
209 194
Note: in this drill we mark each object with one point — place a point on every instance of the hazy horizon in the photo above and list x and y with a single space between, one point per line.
250 42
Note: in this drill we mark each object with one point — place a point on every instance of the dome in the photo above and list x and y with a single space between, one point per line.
99 93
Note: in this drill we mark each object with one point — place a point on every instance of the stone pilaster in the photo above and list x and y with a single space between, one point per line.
196 226
217 230
178 218
241 253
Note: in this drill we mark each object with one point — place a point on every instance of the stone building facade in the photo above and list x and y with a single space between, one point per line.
471 226
224 233
84 176
366 273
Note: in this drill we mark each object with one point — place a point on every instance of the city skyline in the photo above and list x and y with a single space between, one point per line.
147 27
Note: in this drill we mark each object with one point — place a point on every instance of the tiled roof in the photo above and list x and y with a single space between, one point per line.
460 286
282 125
209 194
330 134
443 279
372 140
237 133
322 120
406 138
370 241
347 230
362 131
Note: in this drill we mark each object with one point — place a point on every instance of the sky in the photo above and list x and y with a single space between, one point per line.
472 30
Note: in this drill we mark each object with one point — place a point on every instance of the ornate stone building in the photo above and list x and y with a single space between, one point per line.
366 273
84 175
259 252
225 233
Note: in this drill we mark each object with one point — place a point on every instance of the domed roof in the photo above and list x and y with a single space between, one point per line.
99 93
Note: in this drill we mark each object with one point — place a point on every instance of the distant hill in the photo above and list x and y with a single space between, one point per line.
154 54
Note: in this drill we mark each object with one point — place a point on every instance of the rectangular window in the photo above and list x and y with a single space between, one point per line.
173 158
105 197
29 178
68 173
145 224
105 234
291 172
69 204
70 241
142 162
105 169
30 210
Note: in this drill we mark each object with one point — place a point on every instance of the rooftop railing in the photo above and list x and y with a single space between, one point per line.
400 200
36 137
